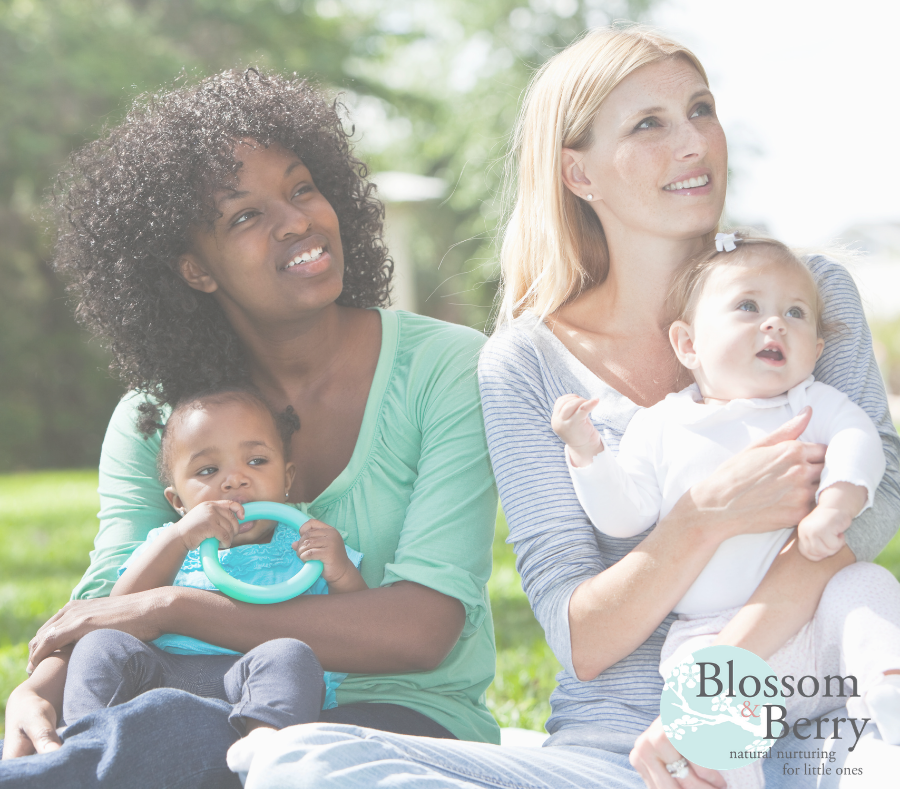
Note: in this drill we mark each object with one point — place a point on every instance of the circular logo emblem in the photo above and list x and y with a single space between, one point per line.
717 707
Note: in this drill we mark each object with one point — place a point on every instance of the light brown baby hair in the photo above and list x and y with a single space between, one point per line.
687 287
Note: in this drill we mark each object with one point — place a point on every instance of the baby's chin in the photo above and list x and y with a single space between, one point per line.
755 391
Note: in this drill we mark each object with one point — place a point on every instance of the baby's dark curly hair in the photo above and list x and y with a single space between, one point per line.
286 423
127 203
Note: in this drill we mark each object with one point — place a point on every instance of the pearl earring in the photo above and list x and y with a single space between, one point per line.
287 494
590 197
182 511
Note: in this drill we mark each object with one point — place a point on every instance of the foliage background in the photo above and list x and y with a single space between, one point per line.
431 87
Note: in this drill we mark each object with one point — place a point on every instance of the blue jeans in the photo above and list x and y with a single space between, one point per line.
170 739
325 756
329 756
164 738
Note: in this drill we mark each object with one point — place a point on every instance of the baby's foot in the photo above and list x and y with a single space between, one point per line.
883 702
240 755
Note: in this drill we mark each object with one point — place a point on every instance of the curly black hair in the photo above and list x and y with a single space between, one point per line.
286 423
126 205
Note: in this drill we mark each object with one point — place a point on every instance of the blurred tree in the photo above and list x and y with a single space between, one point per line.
66 67
451 74
432 86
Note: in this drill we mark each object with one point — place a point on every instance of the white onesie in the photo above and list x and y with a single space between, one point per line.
680 441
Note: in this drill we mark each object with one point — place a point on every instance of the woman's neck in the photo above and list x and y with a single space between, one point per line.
287 355
632 298
617 329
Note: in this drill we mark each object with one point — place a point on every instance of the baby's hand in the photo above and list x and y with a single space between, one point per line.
218 519
320 541
571 421
821 533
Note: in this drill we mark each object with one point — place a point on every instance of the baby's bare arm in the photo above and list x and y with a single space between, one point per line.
320 541
162 559
156 566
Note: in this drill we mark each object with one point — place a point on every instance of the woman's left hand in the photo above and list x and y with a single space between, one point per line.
139 614
652 752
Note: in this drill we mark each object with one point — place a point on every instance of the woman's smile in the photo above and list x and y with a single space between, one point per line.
691 184
308 258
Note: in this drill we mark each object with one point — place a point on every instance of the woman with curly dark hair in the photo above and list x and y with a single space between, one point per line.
224 234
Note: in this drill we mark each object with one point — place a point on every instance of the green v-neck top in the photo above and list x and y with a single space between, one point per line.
417 498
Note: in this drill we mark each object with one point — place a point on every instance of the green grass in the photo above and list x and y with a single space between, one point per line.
889 558
47 526
526 668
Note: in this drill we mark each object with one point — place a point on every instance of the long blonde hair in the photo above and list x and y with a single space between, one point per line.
553 244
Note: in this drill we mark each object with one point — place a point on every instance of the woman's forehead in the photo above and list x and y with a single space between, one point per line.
654 88
259 164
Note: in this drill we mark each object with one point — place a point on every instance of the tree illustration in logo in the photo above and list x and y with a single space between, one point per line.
709 728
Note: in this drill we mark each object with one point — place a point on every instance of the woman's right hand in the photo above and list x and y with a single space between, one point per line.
30 724
767 486
652 752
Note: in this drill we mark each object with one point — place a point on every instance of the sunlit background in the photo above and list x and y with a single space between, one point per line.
806 90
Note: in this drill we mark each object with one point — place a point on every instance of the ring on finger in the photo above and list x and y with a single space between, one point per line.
678 768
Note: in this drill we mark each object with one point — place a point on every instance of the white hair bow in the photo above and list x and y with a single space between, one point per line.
725 242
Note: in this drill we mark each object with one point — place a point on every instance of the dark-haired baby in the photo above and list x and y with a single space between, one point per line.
219 452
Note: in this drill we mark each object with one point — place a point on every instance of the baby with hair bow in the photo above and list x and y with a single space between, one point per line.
749 327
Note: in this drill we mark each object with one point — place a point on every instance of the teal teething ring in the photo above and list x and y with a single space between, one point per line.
251 593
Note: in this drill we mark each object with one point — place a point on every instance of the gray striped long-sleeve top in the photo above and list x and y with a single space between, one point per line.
523 369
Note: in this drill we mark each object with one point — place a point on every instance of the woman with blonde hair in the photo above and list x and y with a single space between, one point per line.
622 169
619 179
